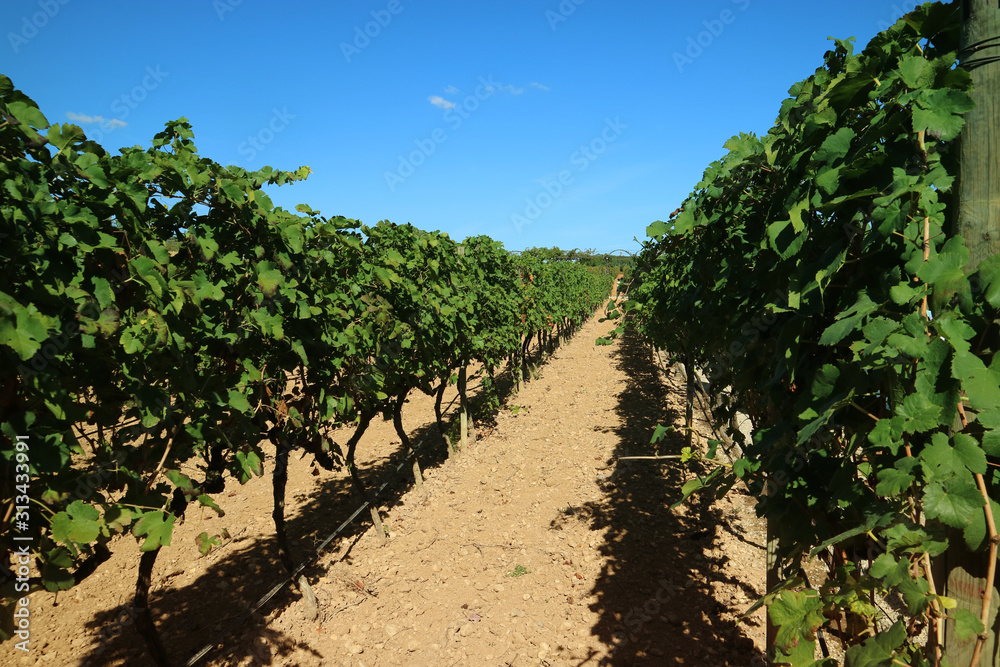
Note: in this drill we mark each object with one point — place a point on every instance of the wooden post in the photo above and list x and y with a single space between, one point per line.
463 408
689 410
963 573
979 182
771 580
965 583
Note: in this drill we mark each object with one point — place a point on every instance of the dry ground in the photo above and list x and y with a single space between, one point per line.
533 546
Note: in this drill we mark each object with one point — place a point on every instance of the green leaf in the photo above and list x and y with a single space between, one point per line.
954 504
250 466
848 321
28 114
981 384
877 651
991 442
976 532
797 615
916 595
914 539
118 518
799 655
835 146
939 112
919 414
179 479
903 294
207 501
989 273
63 135
878 329
26 333
55 570
158 251
238 402
156 527
915 71
967 625
206 542
78 524
149 271
887 434
892 482
942 461
893 571
659 432
102 291
268 278
657 229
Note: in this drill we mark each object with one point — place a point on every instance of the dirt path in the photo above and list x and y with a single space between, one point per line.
532 547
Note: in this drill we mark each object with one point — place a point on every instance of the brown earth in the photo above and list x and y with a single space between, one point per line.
533 546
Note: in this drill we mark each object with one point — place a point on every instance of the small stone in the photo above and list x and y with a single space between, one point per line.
356 649
391 630
412 645
526 597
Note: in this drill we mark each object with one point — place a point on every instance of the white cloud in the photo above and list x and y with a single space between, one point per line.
85 119
451 90
538 85
440 102
512 90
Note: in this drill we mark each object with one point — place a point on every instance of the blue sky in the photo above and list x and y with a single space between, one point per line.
538 123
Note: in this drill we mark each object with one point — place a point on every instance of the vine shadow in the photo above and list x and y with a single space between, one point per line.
655 594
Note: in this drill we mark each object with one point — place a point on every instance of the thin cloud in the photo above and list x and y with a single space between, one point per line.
512 90
451 90
86 120
538 85
440 102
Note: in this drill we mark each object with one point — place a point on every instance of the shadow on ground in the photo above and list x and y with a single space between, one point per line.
245 568
655 594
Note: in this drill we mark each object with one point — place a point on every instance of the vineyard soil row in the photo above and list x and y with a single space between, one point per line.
527 547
